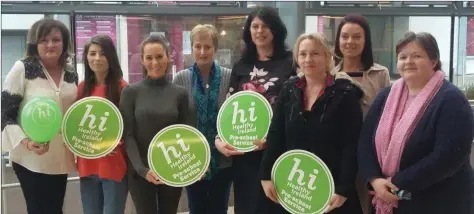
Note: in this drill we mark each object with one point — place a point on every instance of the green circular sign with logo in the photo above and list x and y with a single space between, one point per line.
303 182
92 127
179 155
244 118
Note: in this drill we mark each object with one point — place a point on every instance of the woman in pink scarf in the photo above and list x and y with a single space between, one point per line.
415 145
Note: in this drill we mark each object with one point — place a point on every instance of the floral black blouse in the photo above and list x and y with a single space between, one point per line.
264 77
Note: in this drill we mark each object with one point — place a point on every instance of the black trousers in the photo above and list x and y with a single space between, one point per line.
44 194
149 198
210 196
249 197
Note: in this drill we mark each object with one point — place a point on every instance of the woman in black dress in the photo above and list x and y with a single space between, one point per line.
266 63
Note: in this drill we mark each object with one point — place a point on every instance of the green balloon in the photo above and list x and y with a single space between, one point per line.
41 119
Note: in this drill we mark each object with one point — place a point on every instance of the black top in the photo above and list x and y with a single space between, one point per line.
147 107
330 131
265 77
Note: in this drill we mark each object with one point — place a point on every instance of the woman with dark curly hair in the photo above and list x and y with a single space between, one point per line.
265 65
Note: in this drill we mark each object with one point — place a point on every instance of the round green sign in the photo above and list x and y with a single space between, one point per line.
92 127
179 155
303 182
244 118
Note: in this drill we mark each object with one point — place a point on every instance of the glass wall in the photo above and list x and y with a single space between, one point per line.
464 72
129 31
386 31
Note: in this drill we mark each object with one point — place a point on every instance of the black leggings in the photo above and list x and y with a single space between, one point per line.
44 194
249 197
149 198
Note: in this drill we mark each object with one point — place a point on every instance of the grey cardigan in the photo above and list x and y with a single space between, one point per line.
184 78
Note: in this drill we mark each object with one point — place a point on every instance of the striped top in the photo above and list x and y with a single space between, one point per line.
184 78
26 80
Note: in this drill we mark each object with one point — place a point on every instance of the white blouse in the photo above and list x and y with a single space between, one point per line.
25 81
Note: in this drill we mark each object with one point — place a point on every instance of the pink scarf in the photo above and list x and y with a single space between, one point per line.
396 126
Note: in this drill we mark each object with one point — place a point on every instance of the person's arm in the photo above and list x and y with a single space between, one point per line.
184 116
350 123
275 137
127 109
452 146
367 157
12 96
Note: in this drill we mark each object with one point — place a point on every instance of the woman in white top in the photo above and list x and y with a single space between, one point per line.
41 168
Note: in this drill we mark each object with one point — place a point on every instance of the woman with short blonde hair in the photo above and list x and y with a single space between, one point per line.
318 112
207 83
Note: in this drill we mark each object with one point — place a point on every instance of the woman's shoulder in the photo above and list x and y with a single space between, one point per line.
225 70
378 68
123 83
30 67
17 68
80 86
344 83
132 87
177 87
70 74
183 73
451 93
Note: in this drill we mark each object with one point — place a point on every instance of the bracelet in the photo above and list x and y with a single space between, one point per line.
25 143
217 137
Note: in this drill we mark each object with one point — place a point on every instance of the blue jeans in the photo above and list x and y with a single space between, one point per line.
210 196
103 196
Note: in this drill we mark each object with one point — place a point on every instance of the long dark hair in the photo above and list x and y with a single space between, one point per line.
270 17
115 74
367 57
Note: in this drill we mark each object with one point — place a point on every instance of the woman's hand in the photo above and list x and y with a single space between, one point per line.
335 202
225 148
270 191
37 148
383 189
153 178
262 144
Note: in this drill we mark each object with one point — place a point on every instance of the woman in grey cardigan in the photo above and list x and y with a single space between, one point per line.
207 84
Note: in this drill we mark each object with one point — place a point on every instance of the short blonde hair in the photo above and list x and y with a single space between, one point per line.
208 30
321 43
